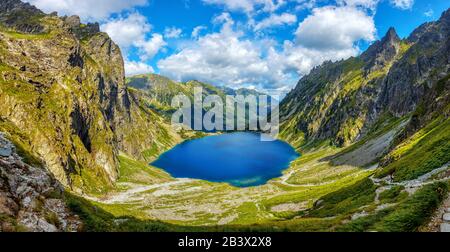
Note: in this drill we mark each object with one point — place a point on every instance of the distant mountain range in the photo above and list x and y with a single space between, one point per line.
162 89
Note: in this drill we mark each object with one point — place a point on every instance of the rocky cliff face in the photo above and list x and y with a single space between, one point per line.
421 67
20 16
341 101
383 52
31 199
63 97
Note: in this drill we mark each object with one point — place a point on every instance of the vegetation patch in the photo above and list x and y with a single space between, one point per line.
138 172
415 211
408 216
427 150
395 194
346 200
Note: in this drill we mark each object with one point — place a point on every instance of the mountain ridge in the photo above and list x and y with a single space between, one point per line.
366 87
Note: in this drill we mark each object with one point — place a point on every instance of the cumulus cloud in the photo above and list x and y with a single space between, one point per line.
101 10
305 4
403 4
172 32
335 28
196 31
429 13
248 6
221 58
299 59
133 31
149 48
224 18
229 57
276 20
126 31
369 4
134 68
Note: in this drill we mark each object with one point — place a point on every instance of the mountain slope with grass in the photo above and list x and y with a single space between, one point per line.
389 109
395 83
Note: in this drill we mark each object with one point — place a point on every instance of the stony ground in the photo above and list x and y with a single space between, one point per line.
440 222
30 198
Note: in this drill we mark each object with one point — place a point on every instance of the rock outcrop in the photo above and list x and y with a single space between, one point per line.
425 63
63 92
382 52
20 16
49 92
31 199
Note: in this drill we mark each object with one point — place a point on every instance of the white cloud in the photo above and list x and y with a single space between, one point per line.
134 31
276 20
172 32
305 4
134 68
429 13
220 58
403 4
248 6
301 60
335 28
224 18
196 31
87 9
149 48
126 31
369 4
230 58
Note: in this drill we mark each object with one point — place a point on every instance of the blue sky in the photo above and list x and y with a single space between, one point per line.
262 44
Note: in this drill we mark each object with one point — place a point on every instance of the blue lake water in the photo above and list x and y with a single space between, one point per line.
240 159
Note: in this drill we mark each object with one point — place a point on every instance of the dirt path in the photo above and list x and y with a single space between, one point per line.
438 223
445 220
284 179
411 187
419 182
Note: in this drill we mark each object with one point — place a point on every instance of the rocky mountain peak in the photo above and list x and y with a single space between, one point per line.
391 36
445 15
16 14
342 100
7 6
432 31
382 52
73 21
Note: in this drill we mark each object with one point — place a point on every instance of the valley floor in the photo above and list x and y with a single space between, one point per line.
197 202
298 198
